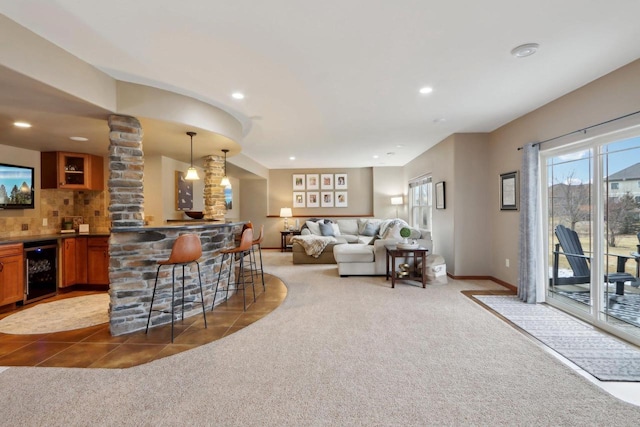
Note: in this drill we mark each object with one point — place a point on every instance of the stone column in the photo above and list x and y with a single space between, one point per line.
214 205
126 166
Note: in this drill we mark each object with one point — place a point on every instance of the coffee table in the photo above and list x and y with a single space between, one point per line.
394 252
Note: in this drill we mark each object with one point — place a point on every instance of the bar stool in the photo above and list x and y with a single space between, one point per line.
241 251
186 250
258 242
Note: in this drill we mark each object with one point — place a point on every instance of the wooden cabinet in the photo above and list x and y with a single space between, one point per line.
85 261
69 261
11 273
98 261
72 171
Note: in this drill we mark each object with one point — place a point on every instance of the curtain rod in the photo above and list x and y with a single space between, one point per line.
584 130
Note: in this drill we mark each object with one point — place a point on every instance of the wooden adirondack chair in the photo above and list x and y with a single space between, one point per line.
579 262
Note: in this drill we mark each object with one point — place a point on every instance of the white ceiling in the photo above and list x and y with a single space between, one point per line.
336 82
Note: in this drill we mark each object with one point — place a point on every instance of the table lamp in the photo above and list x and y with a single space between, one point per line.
286 214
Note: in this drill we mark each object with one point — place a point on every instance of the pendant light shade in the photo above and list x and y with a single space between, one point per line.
225 181
192 173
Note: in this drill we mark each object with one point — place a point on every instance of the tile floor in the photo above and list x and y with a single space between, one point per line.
94 347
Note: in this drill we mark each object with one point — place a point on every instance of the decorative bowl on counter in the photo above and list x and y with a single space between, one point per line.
194 214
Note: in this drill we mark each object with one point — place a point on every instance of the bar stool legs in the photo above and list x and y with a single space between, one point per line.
186 250
241 280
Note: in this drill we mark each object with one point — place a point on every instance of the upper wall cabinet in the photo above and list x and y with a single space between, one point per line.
72 171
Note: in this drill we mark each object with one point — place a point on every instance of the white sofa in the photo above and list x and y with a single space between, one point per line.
370 259
362 241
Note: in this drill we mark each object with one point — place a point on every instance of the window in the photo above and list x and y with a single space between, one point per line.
420 199
614 185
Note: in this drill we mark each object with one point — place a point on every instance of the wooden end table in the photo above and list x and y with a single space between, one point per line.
394 252
283 239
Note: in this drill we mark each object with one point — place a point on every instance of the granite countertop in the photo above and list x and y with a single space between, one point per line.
186 224
42 237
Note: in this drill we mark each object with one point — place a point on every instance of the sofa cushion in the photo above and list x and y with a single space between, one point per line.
348 226
362 225
314 227
353 253
327 229
351 238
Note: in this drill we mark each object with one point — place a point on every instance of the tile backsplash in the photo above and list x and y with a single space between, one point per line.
54 206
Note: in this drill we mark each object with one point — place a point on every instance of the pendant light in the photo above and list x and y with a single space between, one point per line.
192 173
225 181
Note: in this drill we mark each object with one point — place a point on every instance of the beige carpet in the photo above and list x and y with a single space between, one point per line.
62 315
337 352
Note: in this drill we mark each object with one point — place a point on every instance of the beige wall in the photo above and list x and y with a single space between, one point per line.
389 182
611 96
471 205
439 162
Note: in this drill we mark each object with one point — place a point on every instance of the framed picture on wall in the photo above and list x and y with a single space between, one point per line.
341 199
341 181
326 199
313 181
440 195
313 199
509 191
298 181
298 199
326 181
184 193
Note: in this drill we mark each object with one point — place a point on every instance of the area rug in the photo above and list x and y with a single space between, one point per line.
600 354
62 315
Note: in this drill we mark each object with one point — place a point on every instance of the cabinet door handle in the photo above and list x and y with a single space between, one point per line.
1 267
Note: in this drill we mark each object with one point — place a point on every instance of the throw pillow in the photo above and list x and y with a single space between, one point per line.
336 229
370 229
348 226
326 229
362 223
314 227
415 234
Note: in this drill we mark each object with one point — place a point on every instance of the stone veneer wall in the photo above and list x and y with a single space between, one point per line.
132 272
135 250
126 169
214 205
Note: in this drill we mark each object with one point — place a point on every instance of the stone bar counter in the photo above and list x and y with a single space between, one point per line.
135 252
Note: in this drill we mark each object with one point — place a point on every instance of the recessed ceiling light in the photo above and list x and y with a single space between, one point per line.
399 146
22 124
525 50
375 156
292 158
439 120
237 95
78 138
426 90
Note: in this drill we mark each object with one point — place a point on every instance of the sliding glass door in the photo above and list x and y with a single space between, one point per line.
593 232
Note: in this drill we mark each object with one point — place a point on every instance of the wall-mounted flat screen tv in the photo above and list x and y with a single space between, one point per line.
16 187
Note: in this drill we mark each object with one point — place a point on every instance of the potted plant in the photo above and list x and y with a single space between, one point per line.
405 232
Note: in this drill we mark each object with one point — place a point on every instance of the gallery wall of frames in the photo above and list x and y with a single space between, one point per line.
320 190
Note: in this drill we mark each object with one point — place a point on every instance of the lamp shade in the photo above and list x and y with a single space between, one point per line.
396 200
225 181
192 174
285 213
